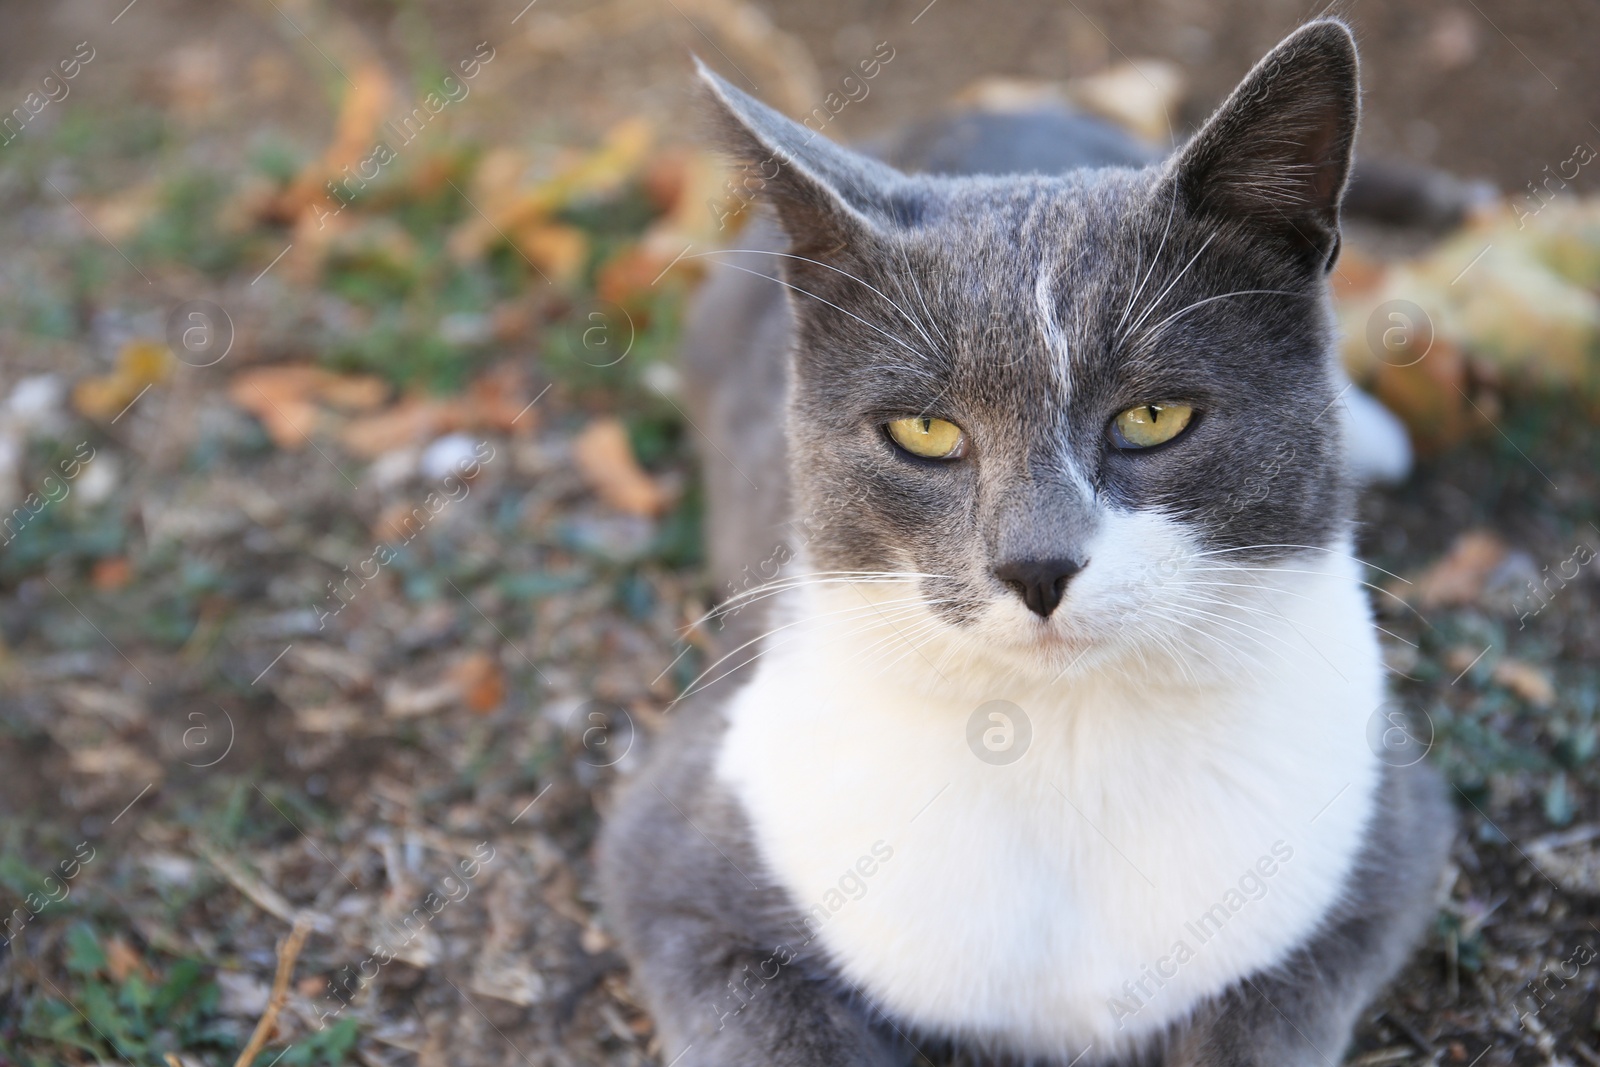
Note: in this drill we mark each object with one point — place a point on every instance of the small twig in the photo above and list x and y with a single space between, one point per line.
1412 1033
288 952
258 892
1577 835
1589 1055
1383 1057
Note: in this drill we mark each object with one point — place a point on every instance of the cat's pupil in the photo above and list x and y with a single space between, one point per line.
927 425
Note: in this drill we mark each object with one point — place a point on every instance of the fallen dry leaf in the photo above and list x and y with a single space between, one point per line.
405 700
1573 863
1429 393
626 276
122 214
666 178
111 574
289 419
415 419
289 400
122 959
1142 95
115 760
339 718
482 684
351 392
496 400
556 248
1531 683
140 364
605 459
527 215
347 670
512 321
100 702
364 106
1458 579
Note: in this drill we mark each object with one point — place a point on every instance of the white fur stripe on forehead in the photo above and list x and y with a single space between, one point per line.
1050 331
1059 352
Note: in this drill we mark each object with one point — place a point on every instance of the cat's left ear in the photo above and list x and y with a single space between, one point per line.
1276 156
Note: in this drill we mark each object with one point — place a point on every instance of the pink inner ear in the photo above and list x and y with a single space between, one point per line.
1322 150
1277 152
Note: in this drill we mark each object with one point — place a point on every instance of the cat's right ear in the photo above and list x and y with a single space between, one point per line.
827 197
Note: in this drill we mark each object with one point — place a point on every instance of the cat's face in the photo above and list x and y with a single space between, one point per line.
1080 408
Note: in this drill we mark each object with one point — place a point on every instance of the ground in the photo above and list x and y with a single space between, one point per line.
355 565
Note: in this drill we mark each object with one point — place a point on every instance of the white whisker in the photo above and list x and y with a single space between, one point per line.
1157 302
1155 331
814 296
1171 211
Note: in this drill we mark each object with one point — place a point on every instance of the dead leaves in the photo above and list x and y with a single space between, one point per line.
1531 683
605 458
1459 578
481 682
298 403
368 102
1468 576
110 574
525 214
291 401
1141 95
123 960
1507 298
140 364
476 681
414 419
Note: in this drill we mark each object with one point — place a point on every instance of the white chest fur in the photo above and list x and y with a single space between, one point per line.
1155 843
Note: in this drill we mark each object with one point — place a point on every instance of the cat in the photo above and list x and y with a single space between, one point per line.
1065 739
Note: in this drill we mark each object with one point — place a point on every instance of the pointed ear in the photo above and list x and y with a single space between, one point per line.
827 197
1276 155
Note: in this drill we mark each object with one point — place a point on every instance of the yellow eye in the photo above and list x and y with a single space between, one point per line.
1149 425
928 437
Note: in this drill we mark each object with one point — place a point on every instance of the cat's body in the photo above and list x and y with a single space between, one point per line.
1181 846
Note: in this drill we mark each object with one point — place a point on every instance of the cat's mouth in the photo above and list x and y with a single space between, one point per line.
1054 635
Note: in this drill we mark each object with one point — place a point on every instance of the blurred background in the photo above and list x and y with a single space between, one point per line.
350 534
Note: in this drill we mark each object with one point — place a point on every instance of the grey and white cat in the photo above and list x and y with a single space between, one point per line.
1058 748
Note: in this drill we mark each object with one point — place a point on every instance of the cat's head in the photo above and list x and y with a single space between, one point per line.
1066 399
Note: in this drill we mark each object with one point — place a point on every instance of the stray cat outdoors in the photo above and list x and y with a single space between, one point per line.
1066 739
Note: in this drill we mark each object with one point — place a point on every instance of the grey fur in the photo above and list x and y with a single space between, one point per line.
915 294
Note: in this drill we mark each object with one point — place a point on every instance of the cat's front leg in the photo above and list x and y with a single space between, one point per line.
1301 1013
726 1013
720 958
1266 1024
